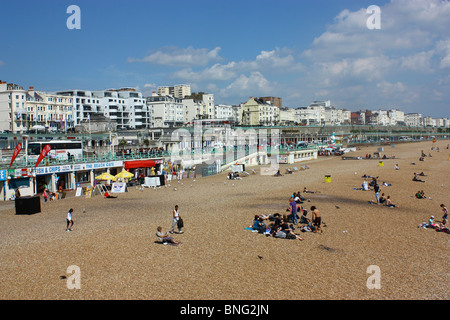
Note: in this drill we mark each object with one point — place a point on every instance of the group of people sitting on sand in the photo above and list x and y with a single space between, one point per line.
279 226
415 178
432 224
420 195
386 200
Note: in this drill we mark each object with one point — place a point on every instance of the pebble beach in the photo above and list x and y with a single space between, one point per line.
113 241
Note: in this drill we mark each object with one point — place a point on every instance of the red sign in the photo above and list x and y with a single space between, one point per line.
43 154
16 152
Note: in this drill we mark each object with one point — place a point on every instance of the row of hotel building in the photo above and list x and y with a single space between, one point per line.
22 110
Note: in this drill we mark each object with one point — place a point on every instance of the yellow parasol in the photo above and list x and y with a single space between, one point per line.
106 176
124 174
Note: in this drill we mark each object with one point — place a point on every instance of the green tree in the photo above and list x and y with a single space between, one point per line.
123 143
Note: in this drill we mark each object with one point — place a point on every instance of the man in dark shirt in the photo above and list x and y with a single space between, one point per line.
376 188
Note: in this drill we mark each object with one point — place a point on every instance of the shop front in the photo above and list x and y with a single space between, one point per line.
84 174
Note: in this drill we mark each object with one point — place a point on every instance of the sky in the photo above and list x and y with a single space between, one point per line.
299 50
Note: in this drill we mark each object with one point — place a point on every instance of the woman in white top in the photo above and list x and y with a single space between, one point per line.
69 220
176 218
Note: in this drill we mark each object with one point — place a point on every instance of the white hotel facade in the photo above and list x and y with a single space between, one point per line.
126 106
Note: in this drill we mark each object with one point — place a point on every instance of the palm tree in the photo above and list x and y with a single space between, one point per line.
123 143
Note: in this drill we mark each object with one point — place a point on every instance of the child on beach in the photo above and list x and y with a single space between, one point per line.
69 220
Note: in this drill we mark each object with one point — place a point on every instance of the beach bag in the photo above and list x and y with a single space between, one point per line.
180 223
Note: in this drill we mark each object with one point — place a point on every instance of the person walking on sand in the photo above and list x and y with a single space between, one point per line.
445 216
376 188
69 220
176 218
316 219
293 207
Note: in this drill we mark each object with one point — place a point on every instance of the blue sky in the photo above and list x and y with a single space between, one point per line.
298 50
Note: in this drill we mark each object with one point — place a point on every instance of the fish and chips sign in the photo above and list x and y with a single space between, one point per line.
77 167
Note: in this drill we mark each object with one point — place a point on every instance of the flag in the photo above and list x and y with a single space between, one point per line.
16 152
44 152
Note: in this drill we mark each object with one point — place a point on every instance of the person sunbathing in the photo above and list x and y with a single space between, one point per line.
389 203
165 238
416 179
309 191
286 234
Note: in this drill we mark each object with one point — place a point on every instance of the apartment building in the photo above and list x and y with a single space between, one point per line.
287 117
166 111
223 112
192 110
413 119
396 116
179 91
13 111
49 110
125 106
256 112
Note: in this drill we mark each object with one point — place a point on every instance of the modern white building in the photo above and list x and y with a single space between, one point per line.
126 106
396 116
311 115
287 117
382 118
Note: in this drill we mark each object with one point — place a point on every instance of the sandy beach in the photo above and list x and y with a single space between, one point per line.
113 241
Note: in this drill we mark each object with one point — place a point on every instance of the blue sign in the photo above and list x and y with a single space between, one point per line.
3 175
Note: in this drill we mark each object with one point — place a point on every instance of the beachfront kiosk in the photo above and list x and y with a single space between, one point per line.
31 181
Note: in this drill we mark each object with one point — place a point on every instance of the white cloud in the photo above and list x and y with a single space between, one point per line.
443 47
418 62
243 86
174 56
1 63
274 61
